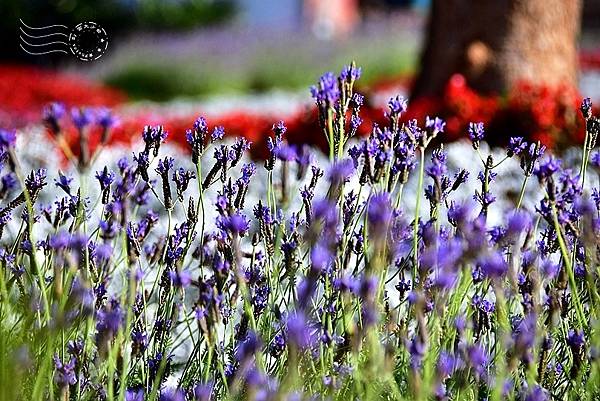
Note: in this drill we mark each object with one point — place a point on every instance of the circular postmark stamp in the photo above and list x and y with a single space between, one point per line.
88 41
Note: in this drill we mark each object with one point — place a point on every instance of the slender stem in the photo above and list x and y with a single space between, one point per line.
522 193
417 211
569 267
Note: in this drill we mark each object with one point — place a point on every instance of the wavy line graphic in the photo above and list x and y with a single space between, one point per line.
41 53
43 27
42 36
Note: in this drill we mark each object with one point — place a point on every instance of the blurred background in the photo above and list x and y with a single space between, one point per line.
518 65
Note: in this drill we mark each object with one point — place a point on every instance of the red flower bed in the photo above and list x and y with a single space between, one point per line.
537 113
24 91
550 115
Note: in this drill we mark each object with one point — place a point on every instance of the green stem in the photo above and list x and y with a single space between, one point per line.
522 193
569 267
417 210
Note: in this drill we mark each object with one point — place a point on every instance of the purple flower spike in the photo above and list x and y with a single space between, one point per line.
476 133
81 117
341 171
105 118
298 331
134 395
538 393
547 168
217 134
52 115
397 105
180 279
586 108
174 394
63 182
350 73
327 90
493 265
105 178
8 138
379 214
435 125
65 372
203 391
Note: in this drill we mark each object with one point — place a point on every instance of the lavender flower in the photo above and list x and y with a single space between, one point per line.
81 117
52 115
476 133
326 91
217 134
397 105
105 178
65 372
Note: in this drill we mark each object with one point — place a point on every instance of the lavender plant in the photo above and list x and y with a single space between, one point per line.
311 280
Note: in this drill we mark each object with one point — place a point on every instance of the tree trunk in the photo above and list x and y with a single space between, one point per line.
495 43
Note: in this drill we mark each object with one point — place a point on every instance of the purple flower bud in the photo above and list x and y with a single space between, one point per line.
180 279
63 182
320 257
65 372
9 181
379 214
104 118
285 152
203 391
493 265
357 100
516 145
298 331
397 105
217 134
36 180
547 168
81 117
518 222
537 393
477 358
8 138
476 133
326 92
586 108
595 159
105 178
341 171
248 347
575 338
350 73
355 122
235 224
134 395
164 165
279 129
174 394
435 125
52 115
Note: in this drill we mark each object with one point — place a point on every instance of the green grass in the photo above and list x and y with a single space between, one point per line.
162 79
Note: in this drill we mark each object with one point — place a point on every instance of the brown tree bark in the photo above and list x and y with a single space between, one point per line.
495 43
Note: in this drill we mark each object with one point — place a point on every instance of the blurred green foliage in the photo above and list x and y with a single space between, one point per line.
162 79
118 17
123 15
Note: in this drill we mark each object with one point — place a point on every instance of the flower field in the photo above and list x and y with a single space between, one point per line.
347 254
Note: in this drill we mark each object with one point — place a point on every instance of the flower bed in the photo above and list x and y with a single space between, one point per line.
537 113
388 269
